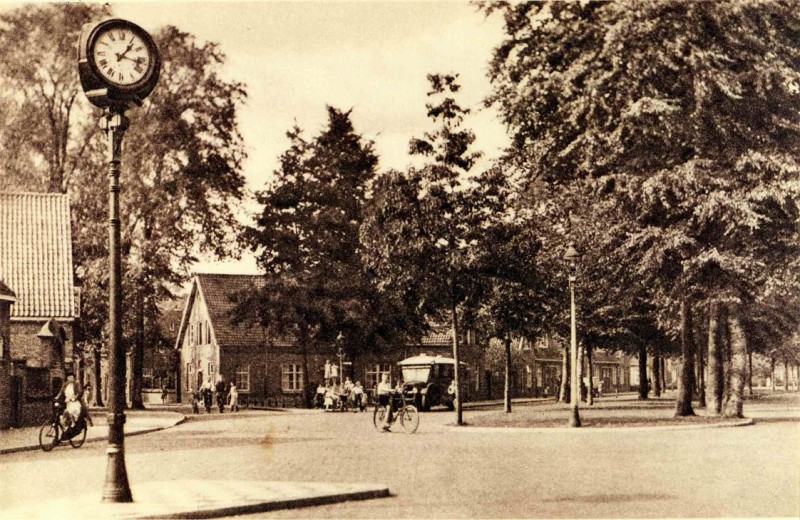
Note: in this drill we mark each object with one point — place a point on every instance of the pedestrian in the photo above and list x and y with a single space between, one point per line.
163 394
358 397
320 396
233 397
196 402
327 372
220 390
206 394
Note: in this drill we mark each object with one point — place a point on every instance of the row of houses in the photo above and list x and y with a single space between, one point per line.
269 370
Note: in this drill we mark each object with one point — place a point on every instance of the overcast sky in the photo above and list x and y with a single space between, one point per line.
373 57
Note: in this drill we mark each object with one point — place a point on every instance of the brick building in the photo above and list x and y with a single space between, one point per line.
268 370
36 264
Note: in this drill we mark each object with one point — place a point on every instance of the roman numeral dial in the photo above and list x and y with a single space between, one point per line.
121 56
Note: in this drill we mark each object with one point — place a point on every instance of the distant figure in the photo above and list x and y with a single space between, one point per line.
220 389
196 402
359 403
233 397
163 394
319 397
600 389
206 392
328 372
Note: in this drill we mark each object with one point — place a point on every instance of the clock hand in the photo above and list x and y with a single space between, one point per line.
127 49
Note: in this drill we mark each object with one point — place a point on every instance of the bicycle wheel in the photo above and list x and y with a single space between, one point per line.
80 438
48 436
409 418
378 417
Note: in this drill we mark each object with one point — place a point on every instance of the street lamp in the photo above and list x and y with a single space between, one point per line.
119 66
571 256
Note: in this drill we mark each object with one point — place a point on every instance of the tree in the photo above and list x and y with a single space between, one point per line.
181 175
681 123
307 239
424 230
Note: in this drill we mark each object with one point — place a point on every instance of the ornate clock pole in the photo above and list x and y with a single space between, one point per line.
118 64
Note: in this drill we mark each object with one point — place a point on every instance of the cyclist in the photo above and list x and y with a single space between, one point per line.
72 394
385 392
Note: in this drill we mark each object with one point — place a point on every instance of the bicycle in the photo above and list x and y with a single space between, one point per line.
406 413
51 434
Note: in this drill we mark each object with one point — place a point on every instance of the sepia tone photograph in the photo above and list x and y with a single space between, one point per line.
400 259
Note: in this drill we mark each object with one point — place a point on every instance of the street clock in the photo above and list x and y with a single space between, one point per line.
118 63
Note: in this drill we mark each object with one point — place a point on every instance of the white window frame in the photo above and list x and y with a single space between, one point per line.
373 373
291 378
242 379
147 373
528 376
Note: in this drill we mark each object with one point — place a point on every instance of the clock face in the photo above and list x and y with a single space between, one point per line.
121 55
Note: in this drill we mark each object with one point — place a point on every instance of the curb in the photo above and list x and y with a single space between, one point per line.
7 451
581 431
264 507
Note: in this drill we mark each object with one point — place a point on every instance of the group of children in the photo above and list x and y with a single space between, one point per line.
342 397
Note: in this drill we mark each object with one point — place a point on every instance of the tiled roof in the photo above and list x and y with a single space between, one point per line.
6 293
438 338
36 254
218 291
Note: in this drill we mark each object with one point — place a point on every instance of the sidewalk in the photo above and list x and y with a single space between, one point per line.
202 499
137 423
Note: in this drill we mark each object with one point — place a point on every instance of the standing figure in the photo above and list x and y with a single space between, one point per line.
358 397
233 397
328 372
206 393
220 390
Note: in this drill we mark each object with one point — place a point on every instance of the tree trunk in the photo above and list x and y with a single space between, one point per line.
562 390
656 376
749 373
772 372
785 375
137 354
683 405
734 399
643 371
715 376
507 389
459 409
701 377
580 373
589 397
306 387
97 380
663 374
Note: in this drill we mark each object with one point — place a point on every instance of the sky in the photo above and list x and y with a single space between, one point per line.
372 57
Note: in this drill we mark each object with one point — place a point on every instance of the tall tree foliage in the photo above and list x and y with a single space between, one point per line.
424 234
307 240
685 115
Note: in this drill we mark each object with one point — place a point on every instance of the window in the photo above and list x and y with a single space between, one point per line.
243 379
528 376
191 334
188 375
211 373
291 377
200 332
208 332
373 373
147 378
172 327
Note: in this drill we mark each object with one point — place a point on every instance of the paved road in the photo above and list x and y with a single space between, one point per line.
743 472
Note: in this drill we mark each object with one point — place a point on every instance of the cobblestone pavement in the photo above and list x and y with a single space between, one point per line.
441 473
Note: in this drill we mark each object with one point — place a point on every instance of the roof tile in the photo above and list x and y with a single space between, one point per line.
36 254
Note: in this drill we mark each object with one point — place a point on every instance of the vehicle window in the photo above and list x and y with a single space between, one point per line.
416 373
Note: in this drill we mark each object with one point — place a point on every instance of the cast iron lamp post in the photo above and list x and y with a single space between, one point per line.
572 256
119 66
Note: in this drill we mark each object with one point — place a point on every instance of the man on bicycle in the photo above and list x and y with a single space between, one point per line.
385 392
